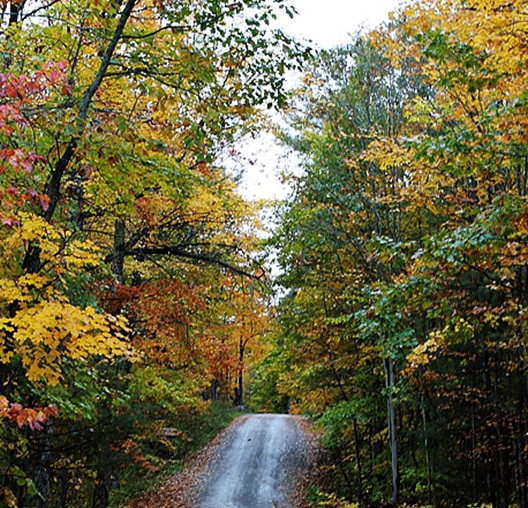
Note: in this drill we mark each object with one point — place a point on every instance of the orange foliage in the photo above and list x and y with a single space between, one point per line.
164 313
34 418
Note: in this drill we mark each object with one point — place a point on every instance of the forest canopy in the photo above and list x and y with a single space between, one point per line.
131 284
134 288
404 258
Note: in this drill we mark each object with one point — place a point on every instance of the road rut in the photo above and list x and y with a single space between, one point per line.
257 465
259 461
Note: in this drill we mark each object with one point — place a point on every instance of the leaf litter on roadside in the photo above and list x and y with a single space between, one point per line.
183 489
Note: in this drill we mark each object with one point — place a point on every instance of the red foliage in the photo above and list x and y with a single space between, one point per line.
16 93
34 418
116 298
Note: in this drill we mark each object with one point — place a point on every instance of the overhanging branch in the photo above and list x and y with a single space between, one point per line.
171 250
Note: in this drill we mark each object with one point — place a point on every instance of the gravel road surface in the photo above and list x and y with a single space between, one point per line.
259 461
257 465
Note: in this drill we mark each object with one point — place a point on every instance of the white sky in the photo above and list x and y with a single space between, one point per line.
327 23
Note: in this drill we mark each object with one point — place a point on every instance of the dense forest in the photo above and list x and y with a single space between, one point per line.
136 302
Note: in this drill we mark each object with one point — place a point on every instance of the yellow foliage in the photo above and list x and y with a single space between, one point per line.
65 255
420 355
49 331
495 35
332 500
388 154
39 324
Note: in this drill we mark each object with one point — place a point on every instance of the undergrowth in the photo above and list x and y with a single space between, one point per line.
164 457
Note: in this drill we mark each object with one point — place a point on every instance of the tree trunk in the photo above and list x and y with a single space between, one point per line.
32 262
239 390
390 379
103 480
55 183
64 481
42 474
119 251
431 492
358 459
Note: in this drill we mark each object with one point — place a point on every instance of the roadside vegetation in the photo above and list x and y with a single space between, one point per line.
134 293
172 451
403 251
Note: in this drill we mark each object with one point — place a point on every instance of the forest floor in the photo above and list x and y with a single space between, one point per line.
258 461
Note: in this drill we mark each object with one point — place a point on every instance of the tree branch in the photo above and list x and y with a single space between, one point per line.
53 190
171 250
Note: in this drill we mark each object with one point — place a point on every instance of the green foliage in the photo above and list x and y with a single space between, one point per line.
266 375
403 259
167 454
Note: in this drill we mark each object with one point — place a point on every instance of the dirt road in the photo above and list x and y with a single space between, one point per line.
258 464
260 461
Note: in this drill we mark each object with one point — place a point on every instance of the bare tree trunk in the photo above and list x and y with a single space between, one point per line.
358 459
390 380
519 448
42 475
431 492
64 480
239 390
14 11
118 254
473 452
103 479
